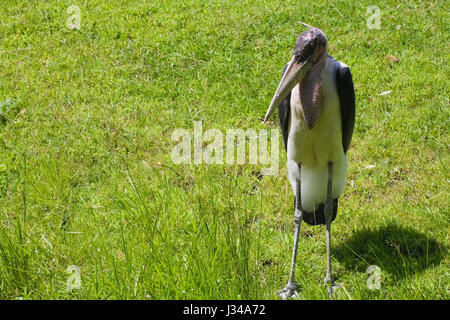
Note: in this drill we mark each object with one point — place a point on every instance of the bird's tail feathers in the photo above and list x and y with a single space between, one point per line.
318 216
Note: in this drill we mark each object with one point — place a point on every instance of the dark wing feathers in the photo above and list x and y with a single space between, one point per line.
346 93
284 112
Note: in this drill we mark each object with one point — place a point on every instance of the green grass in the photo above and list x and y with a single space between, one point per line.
86 176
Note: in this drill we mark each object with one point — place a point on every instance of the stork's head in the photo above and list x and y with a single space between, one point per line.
310 50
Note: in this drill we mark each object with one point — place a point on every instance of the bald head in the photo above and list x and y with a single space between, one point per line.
311 45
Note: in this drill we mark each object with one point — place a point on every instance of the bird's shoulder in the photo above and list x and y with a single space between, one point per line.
338 65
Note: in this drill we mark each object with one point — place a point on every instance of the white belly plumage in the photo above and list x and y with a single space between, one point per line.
314 148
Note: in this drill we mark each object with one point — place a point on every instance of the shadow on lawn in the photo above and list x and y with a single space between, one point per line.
395 249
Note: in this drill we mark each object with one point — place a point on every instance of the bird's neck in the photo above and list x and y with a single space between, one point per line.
311 94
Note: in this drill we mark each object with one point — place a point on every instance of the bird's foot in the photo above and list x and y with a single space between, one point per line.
289 291
331 285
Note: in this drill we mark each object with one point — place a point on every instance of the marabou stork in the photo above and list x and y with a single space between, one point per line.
316 109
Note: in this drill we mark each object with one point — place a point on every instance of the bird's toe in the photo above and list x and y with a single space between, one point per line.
331 285
290 291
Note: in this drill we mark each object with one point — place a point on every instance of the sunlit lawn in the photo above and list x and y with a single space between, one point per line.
87 178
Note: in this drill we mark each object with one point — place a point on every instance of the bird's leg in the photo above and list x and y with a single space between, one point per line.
328 216
298 222
291 287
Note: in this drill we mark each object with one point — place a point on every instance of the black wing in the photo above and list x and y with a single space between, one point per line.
346 93
284 113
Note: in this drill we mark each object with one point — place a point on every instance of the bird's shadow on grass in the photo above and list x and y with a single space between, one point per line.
396 249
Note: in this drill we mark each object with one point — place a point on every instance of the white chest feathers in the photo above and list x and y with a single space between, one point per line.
314 148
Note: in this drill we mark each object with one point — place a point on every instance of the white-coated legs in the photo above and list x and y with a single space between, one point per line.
328 281
292 286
